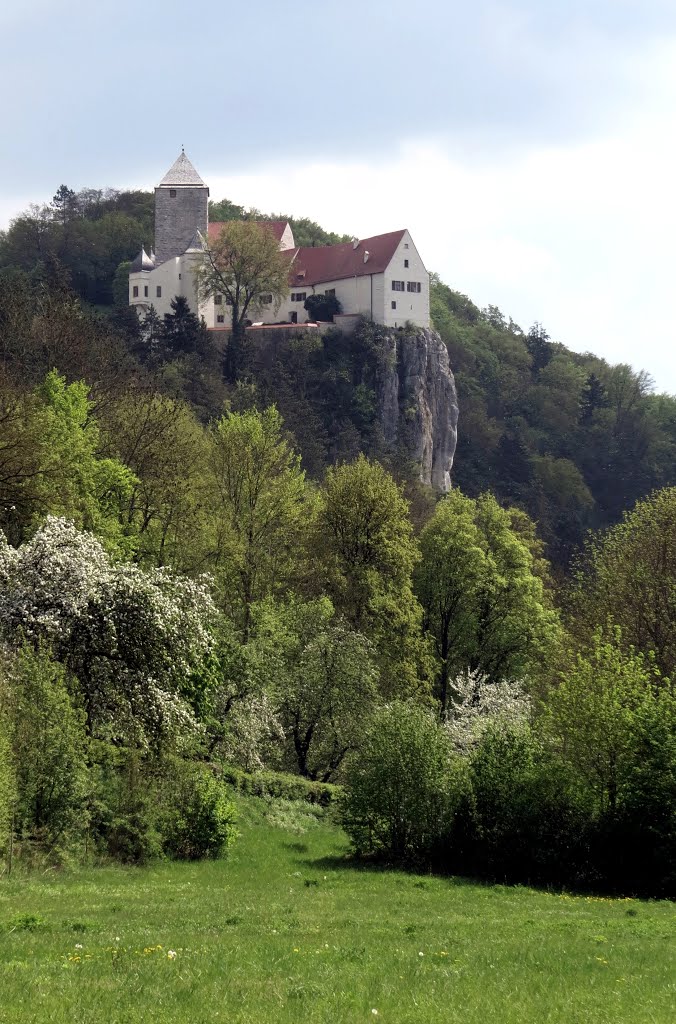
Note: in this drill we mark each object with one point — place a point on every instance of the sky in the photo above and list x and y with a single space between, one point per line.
528 145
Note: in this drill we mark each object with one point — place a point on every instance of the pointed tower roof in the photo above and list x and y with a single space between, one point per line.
181 172
142 262
197 242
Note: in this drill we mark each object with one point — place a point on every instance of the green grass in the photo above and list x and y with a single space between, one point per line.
284 931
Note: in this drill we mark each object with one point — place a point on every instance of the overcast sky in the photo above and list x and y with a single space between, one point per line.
529 146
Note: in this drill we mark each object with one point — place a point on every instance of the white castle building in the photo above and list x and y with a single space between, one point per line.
382 277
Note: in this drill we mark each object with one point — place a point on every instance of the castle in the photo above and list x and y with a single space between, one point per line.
382 277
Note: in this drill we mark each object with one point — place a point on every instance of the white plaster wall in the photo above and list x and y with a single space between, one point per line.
413 306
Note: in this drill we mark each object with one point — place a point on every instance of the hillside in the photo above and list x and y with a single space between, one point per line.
569 438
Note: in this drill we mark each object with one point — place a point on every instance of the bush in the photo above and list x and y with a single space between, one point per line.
277 784
7 778
196 819
49 749
147 807
526 818
403 787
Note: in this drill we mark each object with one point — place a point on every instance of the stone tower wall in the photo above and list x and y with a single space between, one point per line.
178 217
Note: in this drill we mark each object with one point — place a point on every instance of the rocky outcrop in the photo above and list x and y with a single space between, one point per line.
418 403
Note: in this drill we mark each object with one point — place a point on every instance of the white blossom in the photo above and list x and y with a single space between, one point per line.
477 703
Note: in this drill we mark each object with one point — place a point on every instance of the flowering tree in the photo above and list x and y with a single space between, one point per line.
133 639
478 704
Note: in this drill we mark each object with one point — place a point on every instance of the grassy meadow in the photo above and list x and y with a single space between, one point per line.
286 931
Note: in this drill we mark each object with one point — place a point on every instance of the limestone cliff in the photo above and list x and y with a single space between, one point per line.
418 403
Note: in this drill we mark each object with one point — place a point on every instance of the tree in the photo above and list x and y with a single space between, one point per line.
49 748
182 331
261 506
134 640
322 307
243 264
364 542
64 203
629 577
592 712
403 786
320 675
484 601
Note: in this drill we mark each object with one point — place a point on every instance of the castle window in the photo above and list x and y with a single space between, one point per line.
298 296
405 263
179 277
265 300
330 291
220 319
159 291
394 305
218 299
145 290
172 193
413 286
397 286
405 245
136 291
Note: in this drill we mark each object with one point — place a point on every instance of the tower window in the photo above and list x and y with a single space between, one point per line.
159 291
172 193
394 305
145 290
136 291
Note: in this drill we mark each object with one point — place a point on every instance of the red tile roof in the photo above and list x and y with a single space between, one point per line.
278 227
314 265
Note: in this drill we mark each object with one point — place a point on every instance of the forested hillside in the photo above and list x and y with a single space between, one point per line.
571 439
212 578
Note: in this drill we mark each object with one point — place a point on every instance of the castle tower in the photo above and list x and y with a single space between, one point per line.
181 209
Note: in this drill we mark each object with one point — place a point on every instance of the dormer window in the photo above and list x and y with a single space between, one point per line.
172 193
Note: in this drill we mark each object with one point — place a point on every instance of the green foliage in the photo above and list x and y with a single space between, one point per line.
49 750
322 307
526 818
592 712
280 786
367 554
194 815
145 807
604 438
629 577
325 682
241 264
482 593
262 507
403 786
7 768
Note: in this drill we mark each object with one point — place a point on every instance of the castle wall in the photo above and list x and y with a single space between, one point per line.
177 217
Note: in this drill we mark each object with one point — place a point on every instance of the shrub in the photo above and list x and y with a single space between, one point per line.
526 818
277 784
196 819
403 787
146 807
7 777
49 748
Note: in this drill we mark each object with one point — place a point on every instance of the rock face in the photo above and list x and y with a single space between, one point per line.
419 404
